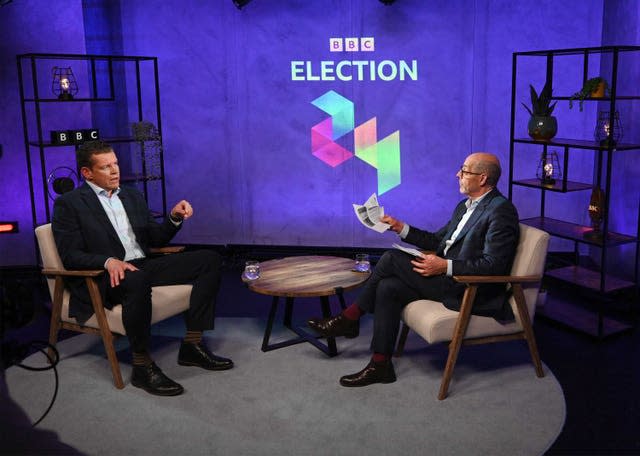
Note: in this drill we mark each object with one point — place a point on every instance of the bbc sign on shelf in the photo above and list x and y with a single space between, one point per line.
71 137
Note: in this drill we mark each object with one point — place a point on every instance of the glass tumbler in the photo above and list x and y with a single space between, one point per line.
362 262
252 270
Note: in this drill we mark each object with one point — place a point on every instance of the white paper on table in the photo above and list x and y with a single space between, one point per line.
370 214
409 250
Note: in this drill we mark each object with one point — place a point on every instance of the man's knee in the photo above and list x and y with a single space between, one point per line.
391 257
389 288
209 260
140 279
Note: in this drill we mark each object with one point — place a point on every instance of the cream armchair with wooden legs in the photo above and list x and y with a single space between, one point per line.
435 323
167 301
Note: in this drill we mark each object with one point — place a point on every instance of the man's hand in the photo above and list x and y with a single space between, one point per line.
430 265
396 225
116 269
182 211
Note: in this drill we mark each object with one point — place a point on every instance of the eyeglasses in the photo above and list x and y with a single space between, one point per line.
464 171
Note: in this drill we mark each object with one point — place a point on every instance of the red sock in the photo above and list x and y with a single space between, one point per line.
380 358
353 312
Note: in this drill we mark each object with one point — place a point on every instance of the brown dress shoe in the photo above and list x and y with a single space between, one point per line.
200 356
151 379
335 326
374 373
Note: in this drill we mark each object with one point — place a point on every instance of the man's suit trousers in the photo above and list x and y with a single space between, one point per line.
392 285
200 267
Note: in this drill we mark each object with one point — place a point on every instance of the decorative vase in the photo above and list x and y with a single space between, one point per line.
542 128
596 214
599 91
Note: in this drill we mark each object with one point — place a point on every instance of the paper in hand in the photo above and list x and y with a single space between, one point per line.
370 214
409 250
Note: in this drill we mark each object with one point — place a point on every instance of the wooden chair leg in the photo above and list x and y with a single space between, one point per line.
402 340
56 315
105 332
458 336
527 328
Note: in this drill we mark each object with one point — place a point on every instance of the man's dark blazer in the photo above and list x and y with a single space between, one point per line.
85 237
485 246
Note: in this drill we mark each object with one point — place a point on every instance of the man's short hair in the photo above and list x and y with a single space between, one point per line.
87 150
491 169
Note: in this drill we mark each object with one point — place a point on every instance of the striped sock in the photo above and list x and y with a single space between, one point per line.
141 358
193 337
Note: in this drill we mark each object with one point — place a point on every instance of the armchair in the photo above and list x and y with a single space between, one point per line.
435 323
167 301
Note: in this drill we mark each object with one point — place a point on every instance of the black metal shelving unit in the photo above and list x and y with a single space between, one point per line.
127 85
596 281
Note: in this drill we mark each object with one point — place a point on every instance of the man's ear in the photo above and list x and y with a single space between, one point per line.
86 173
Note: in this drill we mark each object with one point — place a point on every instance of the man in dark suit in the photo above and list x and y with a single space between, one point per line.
101 225
480 239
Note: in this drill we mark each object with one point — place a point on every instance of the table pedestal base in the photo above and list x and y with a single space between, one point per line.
329 348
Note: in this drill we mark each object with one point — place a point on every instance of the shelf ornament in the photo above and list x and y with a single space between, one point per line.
604 134
542 125
61 180
597 87
64 83
549 168
596 214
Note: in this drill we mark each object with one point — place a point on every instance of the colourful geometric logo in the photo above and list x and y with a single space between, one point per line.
383 155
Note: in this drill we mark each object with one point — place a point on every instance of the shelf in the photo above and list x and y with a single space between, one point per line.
55 100
114 82
589 291
587 278
577 317
557 187
618 97
580 51
115 58
111 139
130 178
575 232
577 144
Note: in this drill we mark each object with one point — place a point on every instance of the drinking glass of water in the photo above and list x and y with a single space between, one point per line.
362 262
252 270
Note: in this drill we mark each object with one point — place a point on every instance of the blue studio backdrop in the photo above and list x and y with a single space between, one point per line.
277 117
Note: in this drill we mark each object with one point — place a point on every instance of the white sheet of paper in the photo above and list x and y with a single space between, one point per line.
409 250
370 214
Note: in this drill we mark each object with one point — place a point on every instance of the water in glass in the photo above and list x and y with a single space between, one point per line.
362 262
252 270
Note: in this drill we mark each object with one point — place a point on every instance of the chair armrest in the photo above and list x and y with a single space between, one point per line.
166 250
72 273
496 279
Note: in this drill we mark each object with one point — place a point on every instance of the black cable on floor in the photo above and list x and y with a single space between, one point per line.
52 365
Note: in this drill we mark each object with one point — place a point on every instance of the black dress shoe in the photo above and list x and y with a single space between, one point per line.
374 373
335 326
151 379
199 355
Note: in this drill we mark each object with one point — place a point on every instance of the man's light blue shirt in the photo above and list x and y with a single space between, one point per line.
120 221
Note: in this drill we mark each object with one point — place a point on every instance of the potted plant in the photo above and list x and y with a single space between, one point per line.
542 125
593 88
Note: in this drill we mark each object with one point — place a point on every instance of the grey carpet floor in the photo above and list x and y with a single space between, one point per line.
289 402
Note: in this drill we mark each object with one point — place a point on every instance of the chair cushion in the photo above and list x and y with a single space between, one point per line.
435 323
166 301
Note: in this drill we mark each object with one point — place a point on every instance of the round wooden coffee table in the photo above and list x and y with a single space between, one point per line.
303 277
